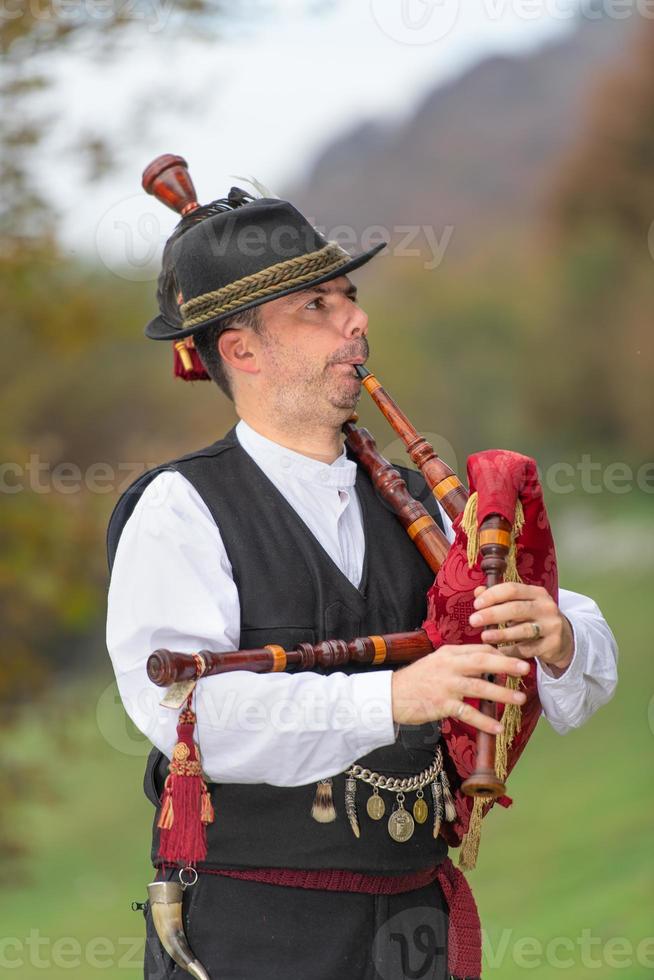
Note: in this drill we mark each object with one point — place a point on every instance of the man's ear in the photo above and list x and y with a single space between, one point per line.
238 349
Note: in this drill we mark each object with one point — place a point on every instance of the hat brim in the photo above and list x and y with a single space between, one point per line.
161 329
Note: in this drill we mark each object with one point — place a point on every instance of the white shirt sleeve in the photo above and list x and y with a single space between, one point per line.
172 587
589 682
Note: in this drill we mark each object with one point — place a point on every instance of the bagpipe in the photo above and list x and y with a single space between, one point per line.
501 533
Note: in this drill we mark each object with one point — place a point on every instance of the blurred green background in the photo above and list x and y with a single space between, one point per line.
535 333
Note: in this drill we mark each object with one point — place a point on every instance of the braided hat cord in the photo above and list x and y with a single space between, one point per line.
259 285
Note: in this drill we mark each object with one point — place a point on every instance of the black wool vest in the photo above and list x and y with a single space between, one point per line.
291 591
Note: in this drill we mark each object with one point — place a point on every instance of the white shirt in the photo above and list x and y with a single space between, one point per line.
172 587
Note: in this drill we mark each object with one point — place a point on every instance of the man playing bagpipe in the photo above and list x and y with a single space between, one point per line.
313 811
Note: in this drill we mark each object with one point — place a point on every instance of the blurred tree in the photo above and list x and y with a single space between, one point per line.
609 178
76 372
602 209
546 347
36 36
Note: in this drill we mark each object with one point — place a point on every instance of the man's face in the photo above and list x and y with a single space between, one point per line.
308 344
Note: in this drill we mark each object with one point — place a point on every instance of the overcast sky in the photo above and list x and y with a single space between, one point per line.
262 101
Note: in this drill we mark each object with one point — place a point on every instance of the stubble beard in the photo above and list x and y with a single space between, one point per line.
302 392
346 401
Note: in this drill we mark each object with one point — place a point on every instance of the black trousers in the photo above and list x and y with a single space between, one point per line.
243 930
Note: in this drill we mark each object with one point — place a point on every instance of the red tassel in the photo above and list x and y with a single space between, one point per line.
186 806
187 364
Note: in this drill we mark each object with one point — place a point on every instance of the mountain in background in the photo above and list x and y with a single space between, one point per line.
477 153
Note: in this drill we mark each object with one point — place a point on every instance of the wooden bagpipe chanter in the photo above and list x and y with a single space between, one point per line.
501 533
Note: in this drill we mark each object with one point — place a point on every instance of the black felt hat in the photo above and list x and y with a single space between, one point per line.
244 256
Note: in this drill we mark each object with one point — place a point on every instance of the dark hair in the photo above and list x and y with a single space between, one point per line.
206 344
206 341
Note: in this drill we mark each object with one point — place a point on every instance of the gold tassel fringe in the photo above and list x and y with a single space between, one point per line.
207 814
166 817
469 525
511 724
511 574
470 843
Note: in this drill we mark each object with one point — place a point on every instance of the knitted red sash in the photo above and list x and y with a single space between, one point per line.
464 932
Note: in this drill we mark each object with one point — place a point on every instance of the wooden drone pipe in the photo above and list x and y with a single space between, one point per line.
169 180
494 544
439 477
416 521
166 667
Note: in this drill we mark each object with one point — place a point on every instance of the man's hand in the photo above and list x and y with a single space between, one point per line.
434 686
534 623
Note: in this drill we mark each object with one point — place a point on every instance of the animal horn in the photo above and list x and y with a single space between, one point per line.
166 906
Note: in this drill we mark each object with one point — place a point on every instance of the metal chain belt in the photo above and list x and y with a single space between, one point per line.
395 785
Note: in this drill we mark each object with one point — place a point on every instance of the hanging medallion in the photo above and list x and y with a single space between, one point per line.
420 809
375 806
400 822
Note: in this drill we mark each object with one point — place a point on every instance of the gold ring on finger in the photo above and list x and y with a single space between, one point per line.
535 631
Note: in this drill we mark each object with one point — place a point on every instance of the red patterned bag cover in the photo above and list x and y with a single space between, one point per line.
507 484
